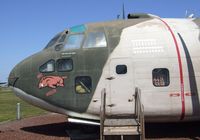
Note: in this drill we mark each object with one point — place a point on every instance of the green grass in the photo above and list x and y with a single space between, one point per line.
8 102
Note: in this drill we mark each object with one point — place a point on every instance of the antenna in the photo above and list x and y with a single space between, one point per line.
189 14
186 13
118 16
123 12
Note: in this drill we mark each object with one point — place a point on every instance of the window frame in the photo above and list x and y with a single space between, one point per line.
167 76
58 47
53 41
87 37
63 38
54 68
75 81
72 34
64 70
116 68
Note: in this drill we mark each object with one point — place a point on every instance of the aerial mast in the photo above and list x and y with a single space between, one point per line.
123 12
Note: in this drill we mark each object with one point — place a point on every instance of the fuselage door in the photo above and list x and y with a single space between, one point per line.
121 93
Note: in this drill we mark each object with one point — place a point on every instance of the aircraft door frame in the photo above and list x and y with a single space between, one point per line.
121 87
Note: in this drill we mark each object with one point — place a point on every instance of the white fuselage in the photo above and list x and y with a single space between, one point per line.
168 44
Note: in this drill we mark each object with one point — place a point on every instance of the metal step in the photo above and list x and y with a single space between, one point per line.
121 122
121 127
125 130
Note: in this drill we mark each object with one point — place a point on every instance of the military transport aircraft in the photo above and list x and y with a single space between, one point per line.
2 84
161 56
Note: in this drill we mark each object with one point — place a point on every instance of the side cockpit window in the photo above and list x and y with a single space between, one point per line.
48 67
74 41
95 40
83 84
64 65
160 77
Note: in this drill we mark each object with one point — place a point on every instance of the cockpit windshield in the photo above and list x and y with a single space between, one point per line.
74 41
58 38
75 37
53 41
70 39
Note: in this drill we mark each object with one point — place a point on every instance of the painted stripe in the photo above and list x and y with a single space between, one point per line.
192 80
180 70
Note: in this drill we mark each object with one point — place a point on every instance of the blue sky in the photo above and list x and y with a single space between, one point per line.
26 26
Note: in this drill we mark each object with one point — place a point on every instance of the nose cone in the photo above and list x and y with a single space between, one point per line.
13 76
19 72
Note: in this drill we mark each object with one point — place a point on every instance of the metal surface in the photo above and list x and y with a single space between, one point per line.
125 130
120 122
140 113
147 43
121 126
102 113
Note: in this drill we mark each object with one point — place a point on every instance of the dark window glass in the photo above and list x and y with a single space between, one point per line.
48 66
64 65
121 69
83 84
161 77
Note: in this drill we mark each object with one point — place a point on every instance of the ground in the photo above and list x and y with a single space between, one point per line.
45 127
8 102
53 127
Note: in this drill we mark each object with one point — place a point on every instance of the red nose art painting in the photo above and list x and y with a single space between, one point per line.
51 81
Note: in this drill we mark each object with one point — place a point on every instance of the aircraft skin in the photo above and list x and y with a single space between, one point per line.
160 56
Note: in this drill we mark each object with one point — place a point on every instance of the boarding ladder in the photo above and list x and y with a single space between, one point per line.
122 128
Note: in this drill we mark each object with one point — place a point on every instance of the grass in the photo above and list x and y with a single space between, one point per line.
8 102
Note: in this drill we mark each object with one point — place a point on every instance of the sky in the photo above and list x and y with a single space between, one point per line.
26 26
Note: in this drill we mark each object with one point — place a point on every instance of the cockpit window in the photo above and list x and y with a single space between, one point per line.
78 29
95 40
83 84
48 66
74 41
53 41
64 65
62 39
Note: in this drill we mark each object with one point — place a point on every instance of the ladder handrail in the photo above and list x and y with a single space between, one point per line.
102 112
139 112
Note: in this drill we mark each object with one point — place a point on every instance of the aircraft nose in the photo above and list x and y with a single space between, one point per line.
13 76
19 72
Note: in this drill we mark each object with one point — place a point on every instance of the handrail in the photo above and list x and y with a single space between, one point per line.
139 112
102 112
